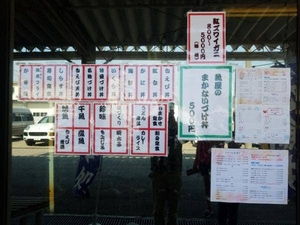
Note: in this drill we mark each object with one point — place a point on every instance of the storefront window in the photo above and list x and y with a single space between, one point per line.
125 132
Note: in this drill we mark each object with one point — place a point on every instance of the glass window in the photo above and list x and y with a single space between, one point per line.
17 117
27 117
123 186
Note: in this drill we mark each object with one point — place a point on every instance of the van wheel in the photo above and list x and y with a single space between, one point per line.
30 142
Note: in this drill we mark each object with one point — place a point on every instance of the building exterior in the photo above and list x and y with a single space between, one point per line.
38 108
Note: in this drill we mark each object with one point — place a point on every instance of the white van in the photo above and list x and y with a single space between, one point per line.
21 118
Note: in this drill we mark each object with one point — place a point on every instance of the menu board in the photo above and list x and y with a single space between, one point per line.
104 128
249 176
206 38
205 103
43 82
263 105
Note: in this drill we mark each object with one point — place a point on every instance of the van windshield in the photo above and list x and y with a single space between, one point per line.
47 119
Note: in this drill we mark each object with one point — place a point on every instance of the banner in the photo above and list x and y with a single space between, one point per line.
86 172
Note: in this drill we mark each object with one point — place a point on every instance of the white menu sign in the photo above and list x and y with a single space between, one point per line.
95 82
149 129
206 38
249 176
263 105
152 83
72 131
43 82
205 103
110 129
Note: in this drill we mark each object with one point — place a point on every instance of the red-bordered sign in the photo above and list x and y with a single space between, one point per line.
95 82
206 38
149 130
149 83
72 132
43 82
111 129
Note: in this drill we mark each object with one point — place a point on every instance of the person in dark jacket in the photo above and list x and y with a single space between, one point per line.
166 178
227 211
202 164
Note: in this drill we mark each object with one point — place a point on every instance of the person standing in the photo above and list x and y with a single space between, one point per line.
202 163
228 211
166 178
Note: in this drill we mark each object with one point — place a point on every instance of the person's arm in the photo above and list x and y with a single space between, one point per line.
196 161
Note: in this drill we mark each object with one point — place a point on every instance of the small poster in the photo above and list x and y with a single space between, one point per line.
95 82
72 132
249 176
263 105
43 82
149 129
149 83
111 129
205 103
206 38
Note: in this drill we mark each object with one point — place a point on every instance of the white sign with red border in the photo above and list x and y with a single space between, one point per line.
111 135
95 82
206 38
149 130
72 132
43 82
149 83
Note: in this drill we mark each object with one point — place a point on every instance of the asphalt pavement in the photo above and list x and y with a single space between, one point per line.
123 184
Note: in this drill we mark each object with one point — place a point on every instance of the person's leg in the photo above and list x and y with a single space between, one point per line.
206 180
222 213
159 198
173 195
233 213
205 172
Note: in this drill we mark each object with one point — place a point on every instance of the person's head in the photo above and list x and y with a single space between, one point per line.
171 106
171 109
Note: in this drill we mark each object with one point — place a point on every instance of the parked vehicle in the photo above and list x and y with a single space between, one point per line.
21 118
43 131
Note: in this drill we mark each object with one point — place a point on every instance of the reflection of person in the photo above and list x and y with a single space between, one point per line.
202 163
228 212
166 178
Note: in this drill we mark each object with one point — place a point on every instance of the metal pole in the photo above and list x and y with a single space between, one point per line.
6 65
297 117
